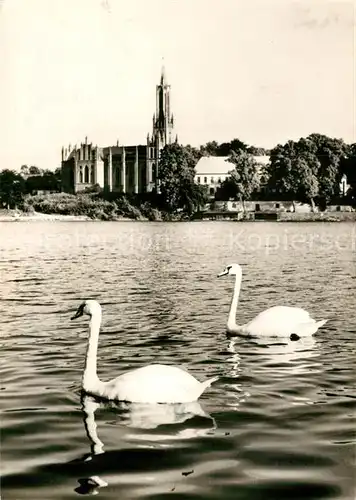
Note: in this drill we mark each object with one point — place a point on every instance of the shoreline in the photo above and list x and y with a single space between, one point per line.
18 216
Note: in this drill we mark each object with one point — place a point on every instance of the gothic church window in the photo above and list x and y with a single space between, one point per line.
86 174
81 174
92 174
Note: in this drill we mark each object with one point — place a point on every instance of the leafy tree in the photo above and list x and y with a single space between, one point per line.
348 167
226 190
176 179
209 149
33 170
24 171
244 178
213 148
294 171
253 150
195 152
46 181
226 148
12 188
307 169
304 178
330 153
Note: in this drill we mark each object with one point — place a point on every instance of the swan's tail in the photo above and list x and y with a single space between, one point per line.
208 382
309 328
204 385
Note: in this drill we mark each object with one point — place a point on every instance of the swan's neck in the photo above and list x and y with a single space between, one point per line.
90 378
231 321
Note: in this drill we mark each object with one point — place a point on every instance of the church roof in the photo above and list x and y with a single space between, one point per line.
219 165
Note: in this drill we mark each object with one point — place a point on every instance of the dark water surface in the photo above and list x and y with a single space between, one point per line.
278 425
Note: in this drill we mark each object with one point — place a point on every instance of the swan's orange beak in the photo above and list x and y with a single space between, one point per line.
223 273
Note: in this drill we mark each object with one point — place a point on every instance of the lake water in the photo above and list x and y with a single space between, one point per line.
278 425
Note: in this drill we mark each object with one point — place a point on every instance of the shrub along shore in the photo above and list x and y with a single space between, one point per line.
85 207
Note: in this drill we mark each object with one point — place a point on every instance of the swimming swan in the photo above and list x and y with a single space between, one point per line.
276 321
149 384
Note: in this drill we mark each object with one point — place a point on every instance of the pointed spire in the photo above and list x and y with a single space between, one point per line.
163 73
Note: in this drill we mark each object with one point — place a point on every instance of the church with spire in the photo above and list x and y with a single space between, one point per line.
122 168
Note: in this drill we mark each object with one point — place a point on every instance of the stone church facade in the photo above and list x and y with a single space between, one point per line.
118 168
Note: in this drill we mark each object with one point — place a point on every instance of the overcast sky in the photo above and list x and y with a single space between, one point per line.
262 71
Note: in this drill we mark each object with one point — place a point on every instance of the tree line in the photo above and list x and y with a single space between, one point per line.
308 170
213 148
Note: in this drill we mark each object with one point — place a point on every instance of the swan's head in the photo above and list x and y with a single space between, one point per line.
233 269
89 307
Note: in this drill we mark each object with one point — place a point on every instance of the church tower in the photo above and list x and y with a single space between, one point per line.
163 120
162 133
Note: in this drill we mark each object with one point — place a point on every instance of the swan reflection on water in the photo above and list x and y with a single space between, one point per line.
233 370
139 416
286 351
284 354
271 358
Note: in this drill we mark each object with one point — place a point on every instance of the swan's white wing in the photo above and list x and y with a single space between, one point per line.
154 384
277 320
283 313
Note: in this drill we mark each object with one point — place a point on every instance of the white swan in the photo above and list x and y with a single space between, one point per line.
277 321
149 384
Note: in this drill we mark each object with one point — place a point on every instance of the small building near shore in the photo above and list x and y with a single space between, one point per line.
211 171
261 206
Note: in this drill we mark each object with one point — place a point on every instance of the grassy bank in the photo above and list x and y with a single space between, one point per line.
93 206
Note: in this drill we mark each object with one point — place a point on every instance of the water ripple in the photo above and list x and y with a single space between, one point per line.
278 424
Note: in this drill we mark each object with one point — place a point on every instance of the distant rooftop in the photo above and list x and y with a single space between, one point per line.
218 165
213 165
